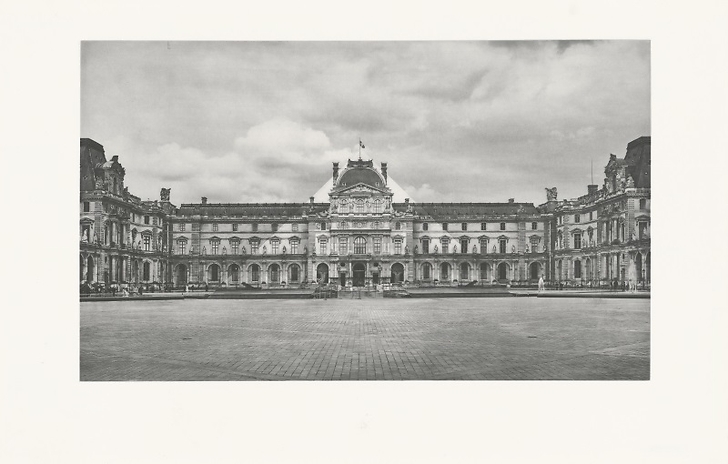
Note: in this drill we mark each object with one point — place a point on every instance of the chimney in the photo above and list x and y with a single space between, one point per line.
115 159
406 201
336 171
204 200
511 200
592 189
310 200
384 171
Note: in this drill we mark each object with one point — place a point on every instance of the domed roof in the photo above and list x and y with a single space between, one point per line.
363 175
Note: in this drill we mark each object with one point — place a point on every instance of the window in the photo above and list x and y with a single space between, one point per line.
425 226
398 246
214 227
484 246
642 228
502 245
360 206
182 247
463 245
294 227
577 269
234 247
322 247
254 246
294 273
146 219
342 225
425 246
377 245
397 225
274 246
464 226
445 242
235 227
343 245
643 203
360 246
591 215
502 226
426 271
147 242
444 226
146 271
86 207
577 218
294 248
215 246
483 226
534 245
182 227
255 227
377 206
577 241
376 224
234 274
534 225
254 273
195 227
155 220
274 227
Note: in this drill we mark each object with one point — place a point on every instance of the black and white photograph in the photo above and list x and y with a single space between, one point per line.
392 232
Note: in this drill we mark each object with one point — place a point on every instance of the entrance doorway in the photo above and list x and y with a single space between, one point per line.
360 271
342 279
397 273
502 271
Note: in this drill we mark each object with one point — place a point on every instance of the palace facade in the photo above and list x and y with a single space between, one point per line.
361 236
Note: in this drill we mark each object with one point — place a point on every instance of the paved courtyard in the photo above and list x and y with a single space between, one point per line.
367 339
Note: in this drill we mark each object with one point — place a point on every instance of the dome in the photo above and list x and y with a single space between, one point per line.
358 175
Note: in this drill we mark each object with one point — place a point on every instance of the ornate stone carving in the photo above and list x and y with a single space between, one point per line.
551 194
164 194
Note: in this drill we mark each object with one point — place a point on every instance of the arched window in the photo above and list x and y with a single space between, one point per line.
484 268
377 208
234 272
146 271
427 271
322 274
294 273
397 273
254 273
214 273
360 246
360 206
464 271
444 271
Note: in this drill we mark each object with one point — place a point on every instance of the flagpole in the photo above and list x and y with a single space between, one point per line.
359 148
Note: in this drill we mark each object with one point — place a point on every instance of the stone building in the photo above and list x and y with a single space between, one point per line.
364 234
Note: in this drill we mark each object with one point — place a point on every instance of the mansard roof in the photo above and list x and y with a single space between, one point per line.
456 211
256 210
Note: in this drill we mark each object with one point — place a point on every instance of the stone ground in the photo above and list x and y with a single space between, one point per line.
367 339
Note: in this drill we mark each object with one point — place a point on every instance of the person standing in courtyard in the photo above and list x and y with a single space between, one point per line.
540 284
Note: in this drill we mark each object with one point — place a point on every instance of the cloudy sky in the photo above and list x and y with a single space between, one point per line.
456 121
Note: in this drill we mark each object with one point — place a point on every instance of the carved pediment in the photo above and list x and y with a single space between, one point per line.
363 190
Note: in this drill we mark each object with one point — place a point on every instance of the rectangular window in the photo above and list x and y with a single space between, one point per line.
343 245
182 247
377 245
254 246
502 226
235 227
464 226
483 226
146 219
294 227
577 269
322 247
360 246
398 247
214 227
323 226
577 241
234 247
294 248
147 242
534 225
464 245
591 215
425 226
215 245
643 203
274 247
577 218
502 245
274 227
534 245
195 227
445 245
425 246
182 227
86 207
444 226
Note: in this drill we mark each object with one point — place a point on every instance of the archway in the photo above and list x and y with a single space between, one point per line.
294 274
274 271
503 271
146 271
254 273
588 268
90 270
638 266
484 271
648 268
322 273
535 271
234 274
577 269
427 271
135 271
181 275
213 273
397 273
444 271
359 278
464 272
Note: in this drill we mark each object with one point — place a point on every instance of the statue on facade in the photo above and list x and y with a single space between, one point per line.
84 237
435 248
551 194
224 250
494 249
475 249
416 250
284 249
527 249
164 194
454 248
513 248
245 252
204 250
406 249
265 250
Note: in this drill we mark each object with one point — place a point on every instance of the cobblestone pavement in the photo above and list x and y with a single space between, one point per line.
368 339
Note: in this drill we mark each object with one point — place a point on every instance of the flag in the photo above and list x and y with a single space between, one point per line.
361 144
